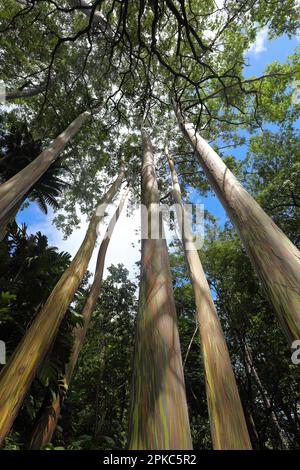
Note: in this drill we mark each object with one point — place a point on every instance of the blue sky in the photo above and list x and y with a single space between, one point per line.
121 250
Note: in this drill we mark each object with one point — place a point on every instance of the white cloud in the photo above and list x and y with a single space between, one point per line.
259 44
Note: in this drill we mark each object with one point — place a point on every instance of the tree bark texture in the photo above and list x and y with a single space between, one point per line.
228 426
17 375
159 415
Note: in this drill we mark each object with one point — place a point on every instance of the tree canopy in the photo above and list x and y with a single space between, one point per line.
82 79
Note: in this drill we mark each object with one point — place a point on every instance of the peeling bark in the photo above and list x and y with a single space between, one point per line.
228 426
158 414
274 257
17 375
12 191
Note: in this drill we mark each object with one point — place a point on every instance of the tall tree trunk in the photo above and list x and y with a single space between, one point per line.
47 420
264 394
17 375
251 425
12 191
274 257
158 415
11 95
227 421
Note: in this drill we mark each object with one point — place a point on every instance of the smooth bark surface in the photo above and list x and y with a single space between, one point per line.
10 217
227 421
16 187
158 414
11 95
46 424
17 375
274 257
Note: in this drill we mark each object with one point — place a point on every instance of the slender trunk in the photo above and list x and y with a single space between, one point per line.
158 416
292 419
16 187
227 421
94 292
17 375
98 18
47 420
10 217
274 257
251 426
253 431
25 93
264 394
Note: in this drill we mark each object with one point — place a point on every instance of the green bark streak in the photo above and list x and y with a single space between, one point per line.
159 416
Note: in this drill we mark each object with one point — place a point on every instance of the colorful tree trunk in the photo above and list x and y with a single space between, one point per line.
49 415
17 375
10 217
12 191
228 425
274 257
47 419
158 415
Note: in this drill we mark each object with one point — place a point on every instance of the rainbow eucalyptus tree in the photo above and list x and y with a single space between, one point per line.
11 95
18 149
50 411
17 375
252 370
97 17
159 415
228 425
274 257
